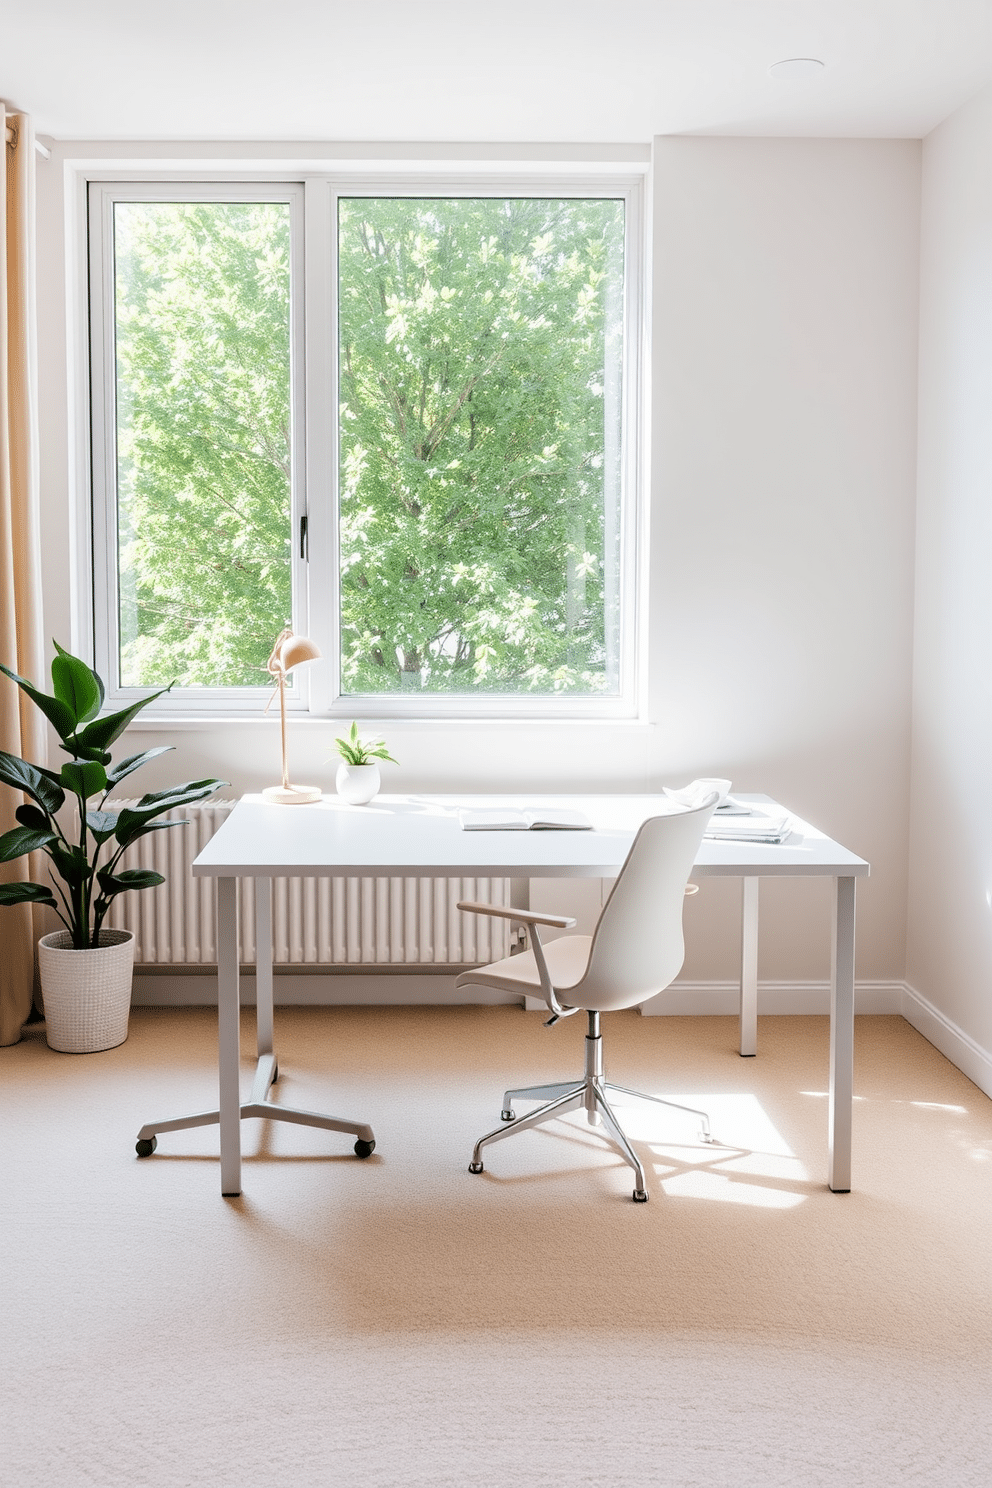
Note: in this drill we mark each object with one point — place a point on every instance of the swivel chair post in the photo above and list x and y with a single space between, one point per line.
588 1094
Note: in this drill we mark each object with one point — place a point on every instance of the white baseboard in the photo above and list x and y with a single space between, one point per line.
333 990
336 989
956 1045
722 998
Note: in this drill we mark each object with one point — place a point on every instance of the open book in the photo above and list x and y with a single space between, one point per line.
507 819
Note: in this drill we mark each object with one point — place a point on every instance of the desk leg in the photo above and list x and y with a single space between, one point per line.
229 1037
841 1036
263 967
749 967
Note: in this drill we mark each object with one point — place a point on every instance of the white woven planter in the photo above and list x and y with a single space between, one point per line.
87 994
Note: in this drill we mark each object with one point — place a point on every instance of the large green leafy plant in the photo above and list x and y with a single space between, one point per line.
85 853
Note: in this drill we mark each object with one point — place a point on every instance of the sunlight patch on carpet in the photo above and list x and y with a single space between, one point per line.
750 1162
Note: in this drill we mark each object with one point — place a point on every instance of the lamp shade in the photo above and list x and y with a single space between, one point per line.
296 650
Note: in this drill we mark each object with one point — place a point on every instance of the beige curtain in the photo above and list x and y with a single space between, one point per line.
21 641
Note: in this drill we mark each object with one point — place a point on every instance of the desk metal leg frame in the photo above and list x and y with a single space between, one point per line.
231 1112
749 967
841 1036
841 1015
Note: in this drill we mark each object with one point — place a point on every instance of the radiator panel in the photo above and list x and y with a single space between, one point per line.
315 921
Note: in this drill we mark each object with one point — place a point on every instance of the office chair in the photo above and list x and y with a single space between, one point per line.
636 951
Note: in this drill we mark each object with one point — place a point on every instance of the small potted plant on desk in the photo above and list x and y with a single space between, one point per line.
357 779
85 968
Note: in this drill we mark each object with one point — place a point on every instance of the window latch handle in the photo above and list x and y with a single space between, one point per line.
304 548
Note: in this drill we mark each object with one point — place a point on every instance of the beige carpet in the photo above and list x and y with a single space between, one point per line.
401 1322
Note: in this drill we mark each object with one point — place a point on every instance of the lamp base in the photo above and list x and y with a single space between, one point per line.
296 795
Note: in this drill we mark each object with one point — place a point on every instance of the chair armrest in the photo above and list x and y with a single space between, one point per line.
524 916
533 918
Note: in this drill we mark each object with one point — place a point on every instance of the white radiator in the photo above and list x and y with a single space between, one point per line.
315 921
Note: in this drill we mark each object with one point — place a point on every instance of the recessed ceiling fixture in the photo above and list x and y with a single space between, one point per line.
796 69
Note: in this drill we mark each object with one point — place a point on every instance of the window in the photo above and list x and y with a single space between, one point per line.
421 455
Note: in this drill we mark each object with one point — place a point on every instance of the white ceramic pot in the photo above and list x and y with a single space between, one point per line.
87 994
357 784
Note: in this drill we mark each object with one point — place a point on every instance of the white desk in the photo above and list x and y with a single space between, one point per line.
420 836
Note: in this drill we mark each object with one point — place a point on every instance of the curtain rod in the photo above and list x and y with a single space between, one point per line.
10 135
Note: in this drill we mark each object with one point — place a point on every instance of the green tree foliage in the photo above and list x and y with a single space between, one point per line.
203 406
478 512
480 352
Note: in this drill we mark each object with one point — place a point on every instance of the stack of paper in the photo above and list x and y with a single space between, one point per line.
758 825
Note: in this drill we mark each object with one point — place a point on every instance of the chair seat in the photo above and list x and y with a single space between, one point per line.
567 960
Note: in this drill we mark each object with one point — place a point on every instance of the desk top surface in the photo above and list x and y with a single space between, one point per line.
420 836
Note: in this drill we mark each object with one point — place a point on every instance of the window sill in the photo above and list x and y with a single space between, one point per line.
185 723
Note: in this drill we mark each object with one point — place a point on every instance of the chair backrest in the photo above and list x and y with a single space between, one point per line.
637 949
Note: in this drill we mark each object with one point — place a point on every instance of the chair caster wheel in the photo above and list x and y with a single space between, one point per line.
146 1146
364 1149
640 1195
708 1138
507 1115
275 1073
475 1167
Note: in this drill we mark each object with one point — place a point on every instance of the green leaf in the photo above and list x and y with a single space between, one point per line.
134 762
40 785
71 862
85 780
58 714
143 831
378 751
21 840
131 818
179 795
128 878
102 824
30 816
79 751
102 732
76 686
27 893
96 678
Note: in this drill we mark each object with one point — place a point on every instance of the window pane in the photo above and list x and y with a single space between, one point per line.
480 372
203 439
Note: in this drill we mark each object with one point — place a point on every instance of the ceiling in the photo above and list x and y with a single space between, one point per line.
512 70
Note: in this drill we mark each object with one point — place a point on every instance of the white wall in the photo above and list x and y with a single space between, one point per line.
782 486
785 297
949 956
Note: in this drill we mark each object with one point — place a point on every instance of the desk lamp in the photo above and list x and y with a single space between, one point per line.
289 652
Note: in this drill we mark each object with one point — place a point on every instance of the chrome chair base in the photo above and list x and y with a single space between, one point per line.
590 1094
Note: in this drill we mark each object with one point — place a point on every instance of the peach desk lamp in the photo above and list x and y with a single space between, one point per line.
289 652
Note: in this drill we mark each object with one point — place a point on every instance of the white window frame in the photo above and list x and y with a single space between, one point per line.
103 196
314 340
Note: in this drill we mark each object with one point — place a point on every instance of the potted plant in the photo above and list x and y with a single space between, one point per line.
85 968
357 779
